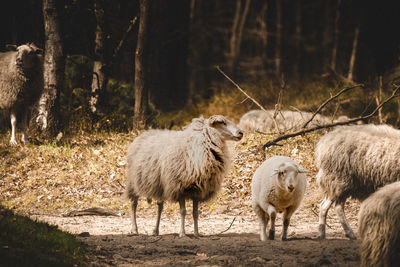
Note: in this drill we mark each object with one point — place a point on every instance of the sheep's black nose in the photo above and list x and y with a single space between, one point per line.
291 188
240 134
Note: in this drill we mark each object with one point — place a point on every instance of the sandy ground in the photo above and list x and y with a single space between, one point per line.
109 241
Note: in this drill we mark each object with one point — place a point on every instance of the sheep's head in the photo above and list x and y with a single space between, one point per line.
225 127
287 175
27 56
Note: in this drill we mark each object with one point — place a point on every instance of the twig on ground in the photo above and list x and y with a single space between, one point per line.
228 227
318 127
154 241
329 100
92 211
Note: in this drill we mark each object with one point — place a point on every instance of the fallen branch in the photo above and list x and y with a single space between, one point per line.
228 227
304 131
329 100
92 211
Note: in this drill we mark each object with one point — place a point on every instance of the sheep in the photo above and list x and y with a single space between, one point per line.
278 185
21 84
354 161
259 120
169 165
379 227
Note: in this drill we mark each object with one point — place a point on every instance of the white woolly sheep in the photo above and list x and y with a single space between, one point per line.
167 165
278 185
21 84
379 227
354 161
259 120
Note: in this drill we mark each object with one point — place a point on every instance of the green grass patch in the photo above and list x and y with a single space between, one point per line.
24 242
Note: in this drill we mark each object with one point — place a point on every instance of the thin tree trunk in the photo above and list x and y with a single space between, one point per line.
297 38
278 38
262 20
100 74
335 36
239 21
141 68
53 71
353 54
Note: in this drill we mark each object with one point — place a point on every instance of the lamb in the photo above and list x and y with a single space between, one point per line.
379 224
21 84
354 161
259 120
278 185
167 165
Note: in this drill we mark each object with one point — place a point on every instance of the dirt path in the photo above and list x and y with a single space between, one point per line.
109 242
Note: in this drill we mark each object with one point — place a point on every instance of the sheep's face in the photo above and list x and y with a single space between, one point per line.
287 176
27 56
225 127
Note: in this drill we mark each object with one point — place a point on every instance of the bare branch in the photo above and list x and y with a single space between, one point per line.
240 89
329 100
247 95
304 131
121 42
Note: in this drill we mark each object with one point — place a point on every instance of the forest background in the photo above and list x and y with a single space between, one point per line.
294 53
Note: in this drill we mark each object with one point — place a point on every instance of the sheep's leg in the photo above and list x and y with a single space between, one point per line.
196 217
286 221
160 206
339 208
324 207
183 214
272 213
134 207
24 126
263 219
13 118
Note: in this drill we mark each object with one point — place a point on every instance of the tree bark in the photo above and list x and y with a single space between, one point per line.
278 38
336 36
262 20
353 54
53 72
141 68
100 73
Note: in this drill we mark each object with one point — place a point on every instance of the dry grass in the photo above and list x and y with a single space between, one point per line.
89 170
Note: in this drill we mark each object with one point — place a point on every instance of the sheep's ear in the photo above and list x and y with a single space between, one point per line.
11 47
276 171
301 169
214 119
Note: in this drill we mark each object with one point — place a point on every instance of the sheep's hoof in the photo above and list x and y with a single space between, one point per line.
13 142
283 238
271 235
182 234
155 233
351 236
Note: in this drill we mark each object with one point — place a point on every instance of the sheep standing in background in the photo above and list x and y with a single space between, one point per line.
354 161
179 165
379 227
21 84
259 120
278 185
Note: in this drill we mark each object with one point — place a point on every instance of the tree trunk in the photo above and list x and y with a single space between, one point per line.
335 36
297 40
262 20
141 68
353 54
237 33
278 38
100 73
53 72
